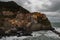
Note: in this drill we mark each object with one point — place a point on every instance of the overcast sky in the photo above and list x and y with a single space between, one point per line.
49 7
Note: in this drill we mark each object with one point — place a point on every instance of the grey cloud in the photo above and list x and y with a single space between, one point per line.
54 7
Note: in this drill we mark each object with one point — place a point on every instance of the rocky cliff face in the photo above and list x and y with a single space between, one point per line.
9 10
36 21
13 15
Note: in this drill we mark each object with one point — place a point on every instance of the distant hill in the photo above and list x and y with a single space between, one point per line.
12 6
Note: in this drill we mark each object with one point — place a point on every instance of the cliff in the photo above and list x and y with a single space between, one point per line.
14 17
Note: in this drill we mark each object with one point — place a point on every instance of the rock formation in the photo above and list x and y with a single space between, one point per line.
15 20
